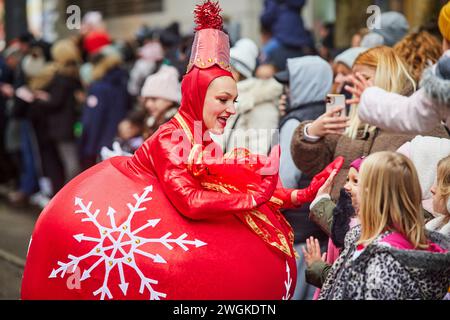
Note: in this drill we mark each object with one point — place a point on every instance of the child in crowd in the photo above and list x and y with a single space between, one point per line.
130 131
335 220
161 96
441 199
390 255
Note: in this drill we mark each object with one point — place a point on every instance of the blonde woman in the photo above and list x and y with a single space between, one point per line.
390 255
316 143
441 199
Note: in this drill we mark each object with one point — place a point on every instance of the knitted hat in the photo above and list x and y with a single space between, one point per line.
93 19
357 163
163 84
349 56
95 41
444 21
243 57
372 40
152 51
394 27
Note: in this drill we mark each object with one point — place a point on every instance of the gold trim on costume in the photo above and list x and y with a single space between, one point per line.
185 127
191 161
283 247
277 201
250 216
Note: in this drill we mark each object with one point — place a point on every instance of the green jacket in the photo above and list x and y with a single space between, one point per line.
322 215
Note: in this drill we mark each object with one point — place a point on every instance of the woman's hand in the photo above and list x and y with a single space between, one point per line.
42 95
309 193
359 85
326 187
312 252
282 104
329 123
6 90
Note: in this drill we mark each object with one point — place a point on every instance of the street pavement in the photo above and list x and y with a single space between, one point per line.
16 227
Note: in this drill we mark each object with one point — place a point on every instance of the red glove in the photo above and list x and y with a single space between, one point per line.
308 194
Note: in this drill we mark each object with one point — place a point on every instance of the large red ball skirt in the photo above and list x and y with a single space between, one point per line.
110 234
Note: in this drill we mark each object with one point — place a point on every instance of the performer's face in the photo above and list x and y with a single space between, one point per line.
219 104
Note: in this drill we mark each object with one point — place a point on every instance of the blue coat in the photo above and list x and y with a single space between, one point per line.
107 104
282 18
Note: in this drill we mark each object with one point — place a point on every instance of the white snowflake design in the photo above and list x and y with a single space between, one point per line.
287 283
116 255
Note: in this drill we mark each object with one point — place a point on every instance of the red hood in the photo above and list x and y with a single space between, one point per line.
193 90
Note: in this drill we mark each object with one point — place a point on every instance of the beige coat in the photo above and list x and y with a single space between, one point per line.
257 116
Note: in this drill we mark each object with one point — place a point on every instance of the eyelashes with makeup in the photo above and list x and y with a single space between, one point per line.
225 101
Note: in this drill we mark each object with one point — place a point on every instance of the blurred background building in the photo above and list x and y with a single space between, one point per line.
124 17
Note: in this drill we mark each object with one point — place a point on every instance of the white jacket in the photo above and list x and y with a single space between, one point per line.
419 113
257 116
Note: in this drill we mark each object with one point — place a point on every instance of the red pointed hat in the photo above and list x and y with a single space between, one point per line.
211 45
210 59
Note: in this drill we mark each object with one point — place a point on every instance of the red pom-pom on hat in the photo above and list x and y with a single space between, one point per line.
211 45
207 16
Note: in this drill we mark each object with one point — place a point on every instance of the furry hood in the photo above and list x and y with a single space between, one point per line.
436 86
105 64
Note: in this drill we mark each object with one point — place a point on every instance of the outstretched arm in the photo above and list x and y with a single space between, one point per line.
188 195
391 111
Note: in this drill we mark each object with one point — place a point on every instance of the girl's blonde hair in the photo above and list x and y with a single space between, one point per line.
443 181
390 75
390 199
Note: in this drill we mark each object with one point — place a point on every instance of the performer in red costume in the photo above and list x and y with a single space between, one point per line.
177 220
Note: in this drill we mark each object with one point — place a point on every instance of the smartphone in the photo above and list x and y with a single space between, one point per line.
336 100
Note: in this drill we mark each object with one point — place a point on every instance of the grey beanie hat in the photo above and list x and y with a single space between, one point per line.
394 27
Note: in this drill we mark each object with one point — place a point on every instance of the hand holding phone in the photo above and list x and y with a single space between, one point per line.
336 100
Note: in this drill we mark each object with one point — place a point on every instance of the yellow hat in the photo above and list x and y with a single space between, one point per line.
444 21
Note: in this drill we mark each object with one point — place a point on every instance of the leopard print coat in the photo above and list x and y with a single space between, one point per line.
382 272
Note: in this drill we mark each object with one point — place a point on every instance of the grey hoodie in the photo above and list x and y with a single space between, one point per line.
310 80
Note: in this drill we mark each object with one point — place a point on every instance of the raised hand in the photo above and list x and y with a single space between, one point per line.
359 85
308 194
312 251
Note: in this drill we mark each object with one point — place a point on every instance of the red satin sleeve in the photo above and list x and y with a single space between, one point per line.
185 192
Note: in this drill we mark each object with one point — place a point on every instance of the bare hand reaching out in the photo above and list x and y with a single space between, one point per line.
359 85
326 187
312 252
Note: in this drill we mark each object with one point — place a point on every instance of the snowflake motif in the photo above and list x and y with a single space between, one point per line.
117 254
287 283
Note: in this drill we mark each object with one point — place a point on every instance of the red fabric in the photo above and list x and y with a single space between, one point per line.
95 41
234 264
207 15
230 259
193 88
